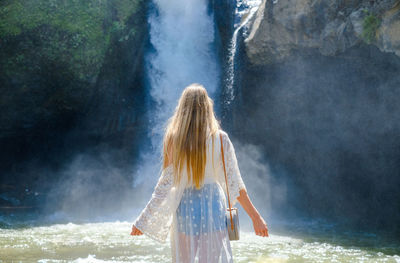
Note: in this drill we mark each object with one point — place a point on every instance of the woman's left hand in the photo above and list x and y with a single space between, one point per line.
260 227
135 231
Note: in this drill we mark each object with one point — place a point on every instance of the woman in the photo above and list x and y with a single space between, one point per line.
188 202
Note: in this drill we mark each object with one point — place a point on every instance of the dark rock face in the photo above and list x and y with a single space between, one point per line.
319 92
71 82
332 123
224 19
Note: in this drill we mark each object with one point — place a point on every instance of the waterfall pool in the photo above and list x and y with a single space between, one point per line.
112 242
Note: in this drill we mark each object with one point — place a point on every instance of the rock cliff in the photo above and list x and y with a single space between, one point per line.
318 92
54 53
70 76
331 27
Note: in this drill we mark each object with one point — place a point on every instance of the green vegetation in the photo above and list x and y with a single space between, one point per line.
370 25
74 33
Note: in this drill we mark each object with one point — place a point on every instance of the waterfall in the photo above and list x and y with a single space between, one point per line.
244 12
182 35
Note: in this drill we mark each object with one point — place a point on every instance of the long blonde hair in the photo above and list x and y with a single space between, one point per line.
186 134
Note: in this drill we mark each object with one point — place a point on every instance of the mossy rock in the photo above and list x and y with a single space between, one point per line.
52 53
371 24
73 32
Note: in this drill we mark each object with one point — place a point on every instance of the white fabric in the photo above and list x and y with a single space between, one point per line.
195 219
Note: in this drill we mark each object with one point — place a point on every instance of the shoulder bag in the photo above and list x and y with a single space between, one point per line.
231 214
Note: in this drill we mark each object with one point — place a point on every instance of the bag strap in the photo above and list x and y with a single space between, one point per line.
226 181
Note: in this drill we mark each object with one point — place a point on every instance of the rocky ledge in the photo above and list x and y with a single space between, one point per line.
331 27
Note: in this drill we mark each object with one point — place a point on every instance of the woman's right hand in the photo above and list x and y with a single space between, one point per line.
260 227
135 231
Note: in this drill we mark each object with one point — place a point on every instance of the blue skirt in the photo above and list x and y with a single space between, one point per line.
202 210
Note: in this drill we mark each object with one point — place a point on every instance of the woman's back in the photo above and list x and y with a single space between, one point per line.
214 168
213 160
195 216
199 224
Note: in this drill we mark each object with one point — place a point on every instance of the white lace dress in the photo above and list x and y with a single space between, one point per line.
194 219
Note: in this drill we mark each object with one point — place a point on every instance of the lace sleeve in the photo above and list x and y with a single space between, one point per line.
234 178
156 218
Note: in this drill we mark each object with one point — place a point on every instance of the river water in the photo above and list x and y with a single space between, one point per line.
182 36
111 242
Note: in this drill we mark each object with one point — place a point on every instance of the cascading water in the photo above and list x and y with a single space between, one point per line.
245 9
182 35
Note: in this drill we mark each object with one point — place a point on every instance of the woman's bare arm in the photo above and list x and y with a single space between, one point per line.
260 227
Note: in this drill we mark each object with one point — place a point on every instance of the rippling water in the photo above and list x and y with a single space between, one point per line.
111 242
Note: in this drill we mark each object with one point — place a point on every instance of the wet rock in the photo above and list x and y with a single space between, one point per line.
389 31
331 27
71 80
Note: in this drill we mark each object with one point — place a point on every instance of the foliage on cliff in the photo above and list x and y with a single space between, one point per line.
73 33
52 53
370 26
68 74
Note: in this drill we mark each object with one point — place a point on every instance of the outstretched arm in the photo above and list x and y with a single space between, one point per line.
237 188
163 181
260 227
167 162
155 219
